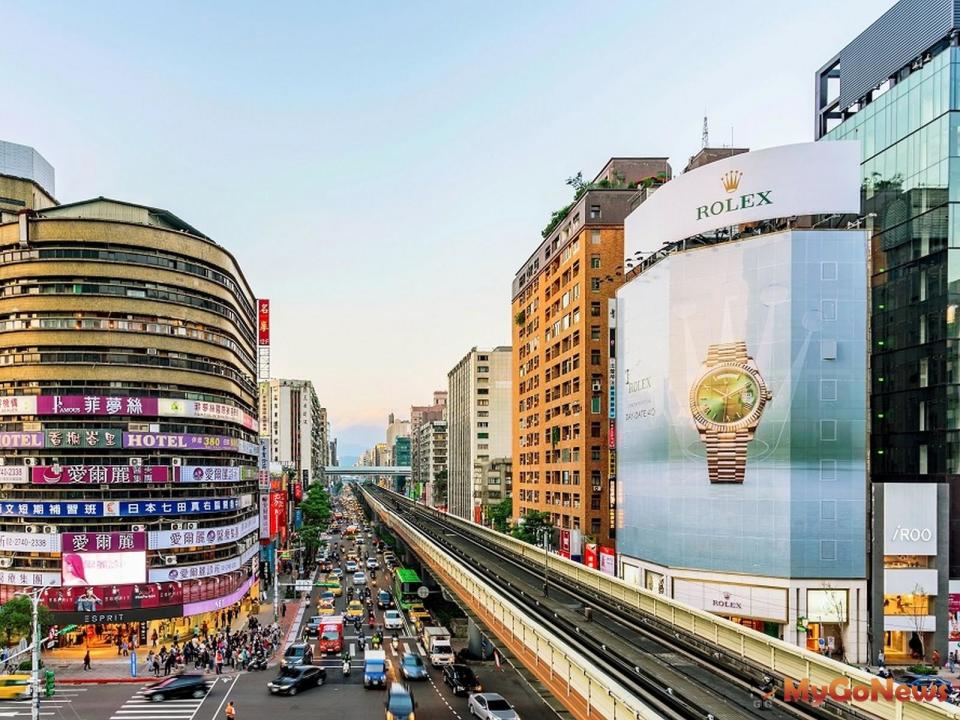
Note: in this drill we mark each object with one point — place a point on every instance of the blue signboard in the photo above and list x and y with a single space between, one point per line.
133 663
117 508
297 519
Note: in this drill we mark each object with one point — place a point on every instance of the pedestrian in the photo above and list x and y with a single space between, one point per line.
125 646
283 609
935 657
880 659
952 662
86 660
219 660
231 712
154 637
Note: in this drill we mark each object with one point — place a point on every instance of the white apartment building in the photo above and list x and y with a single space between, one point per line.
478 423
432 442
291 417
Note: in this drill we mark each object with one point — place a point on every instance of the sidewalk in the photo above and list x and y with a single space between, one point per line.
108 667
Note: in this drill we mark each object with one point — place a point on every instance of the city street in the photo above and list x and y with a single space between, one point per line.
251 698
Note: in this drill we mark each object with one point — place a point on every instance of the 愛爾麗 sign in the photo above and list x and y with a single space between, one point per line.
209 473
99 474
178 441
95 405
103 542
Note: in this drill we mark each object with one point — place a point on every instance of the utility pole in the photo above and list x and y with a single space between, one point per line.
35 672
276 585
544 533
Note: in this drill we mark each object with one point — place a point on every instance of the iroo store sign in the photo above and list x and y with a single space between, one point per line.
909 519
802 179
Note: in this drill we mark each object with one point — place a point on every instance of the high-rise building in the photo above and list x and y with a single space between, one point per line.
894 89
420 414
478 424
396 428
740 396
561 302
128 406
496 483
292 418
433 462
401 456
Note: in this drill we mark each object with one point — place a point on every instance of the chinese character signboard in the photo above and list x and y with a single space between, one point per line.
263 322
99 474
116 508
101 558
82 438
208 473
202 537
95 405
608 560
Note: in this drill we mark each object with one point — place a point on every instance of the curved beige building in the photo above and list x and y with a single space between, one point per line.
127 412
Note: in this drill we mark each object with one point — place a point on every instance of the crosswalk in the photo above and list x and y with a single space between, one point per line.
51 707
139 708
403 647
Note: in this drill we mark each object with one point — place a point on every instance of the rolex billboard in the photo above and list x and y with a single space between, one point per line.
741 387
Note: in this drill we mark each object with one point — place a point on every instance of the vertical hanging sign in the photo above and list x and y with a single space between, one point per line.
263 322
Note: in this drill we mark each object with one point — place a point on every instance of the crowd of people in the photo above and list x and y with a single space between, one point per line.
212 651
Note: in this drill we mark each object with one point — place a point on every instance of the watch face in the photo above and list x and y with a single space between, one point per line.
726 395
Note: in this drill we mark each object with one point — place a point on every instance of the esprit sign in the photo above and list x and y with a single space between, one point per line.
801 179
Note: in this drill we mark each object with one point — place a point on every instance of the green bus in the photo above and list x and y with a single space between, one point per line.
405 585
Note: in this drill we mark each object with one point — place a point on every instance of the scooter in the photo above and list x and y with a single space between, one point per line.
257 662
346 666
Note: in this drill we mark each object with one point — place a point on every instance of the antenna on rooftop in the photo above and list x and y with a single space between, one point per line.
705 138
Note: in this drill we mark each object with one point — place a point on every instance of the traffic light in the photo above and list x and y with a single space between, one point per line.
48 680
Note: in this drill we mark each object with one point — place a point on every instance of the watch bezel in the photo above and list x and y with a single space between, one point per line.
743 423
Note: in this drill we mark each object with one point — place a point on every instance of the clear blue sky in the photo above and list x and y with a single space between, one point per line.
381 170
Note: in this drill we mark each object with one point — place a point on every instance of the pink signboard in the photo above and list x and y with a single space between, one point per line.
219 603
103 558
99 474
21 439
608 560
179 441
95 405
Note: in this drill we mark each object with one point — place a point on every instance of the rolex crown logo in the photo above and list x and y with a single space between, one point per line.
731 180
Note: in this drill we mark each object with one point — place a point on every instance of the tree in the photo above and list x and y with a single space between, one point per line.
16 618
440 487
316 506
500 514
528 529
919 608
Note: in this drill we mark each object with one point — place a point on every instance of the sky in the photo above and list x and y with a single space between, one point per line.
381 170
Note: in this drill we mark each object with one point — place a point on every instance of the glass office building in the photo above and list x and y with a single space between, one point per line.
896 89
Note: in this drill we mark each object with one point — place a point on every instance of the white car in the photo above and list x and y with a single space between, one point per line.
351 566
372 564
393 620
491 706
360 578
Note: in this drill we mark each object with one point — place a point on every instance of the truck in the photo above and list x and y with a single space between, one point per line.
375 668
436 642
331 634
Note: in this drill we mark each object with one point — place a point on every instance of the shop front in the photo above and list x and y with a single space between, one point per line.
760 608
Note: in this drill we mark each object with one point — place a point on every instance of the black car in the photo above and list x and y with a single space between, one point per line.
384 600
292 680
461 679
177 686
312 628
299 653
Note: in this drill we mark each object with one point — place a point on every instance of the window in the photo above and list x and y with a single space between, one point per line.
594 452
595 213
483 368
595 262
483 436
595 404
595 429
594 332
594 309
595 504
595 284
483 391
594 357
576 291
594 237
595 526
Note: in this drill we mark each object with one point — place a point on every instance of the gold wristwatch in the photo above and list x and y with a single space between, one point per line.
726 403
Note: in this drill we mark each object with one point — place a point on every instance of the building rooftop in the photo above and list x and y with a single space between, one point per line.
22 161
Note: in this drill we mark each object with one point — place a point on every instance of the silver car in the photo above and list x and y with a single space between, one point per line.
491 706
360 578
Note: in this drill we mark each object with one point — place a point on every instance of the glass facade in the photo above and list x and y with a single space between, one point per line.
909 139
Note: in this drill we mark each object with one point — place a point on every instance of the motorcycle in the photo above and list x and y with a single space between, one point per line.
395 643
346 666
257 662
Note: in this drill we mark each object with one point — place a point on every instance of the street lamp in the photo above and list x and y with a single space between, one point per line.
35 674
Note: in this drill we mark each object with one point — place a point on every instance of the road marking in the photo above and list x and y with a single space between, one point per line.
353 650
225 696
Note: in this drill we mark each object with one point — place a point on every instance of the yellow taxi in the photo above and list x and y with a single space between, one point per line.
355 609
15 687
417 613
331 586
325 607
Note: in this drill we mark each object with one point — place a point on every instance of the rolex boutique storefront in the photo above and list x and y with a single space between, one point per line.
741 399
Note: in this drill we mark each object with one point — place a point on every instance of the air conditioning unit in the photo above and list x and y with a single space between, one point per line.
596 386
138 427
31 461
138 528
6 562
50 529
135 461
151 351
169 560
188 526
32 529
176 526
3 461
176 462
